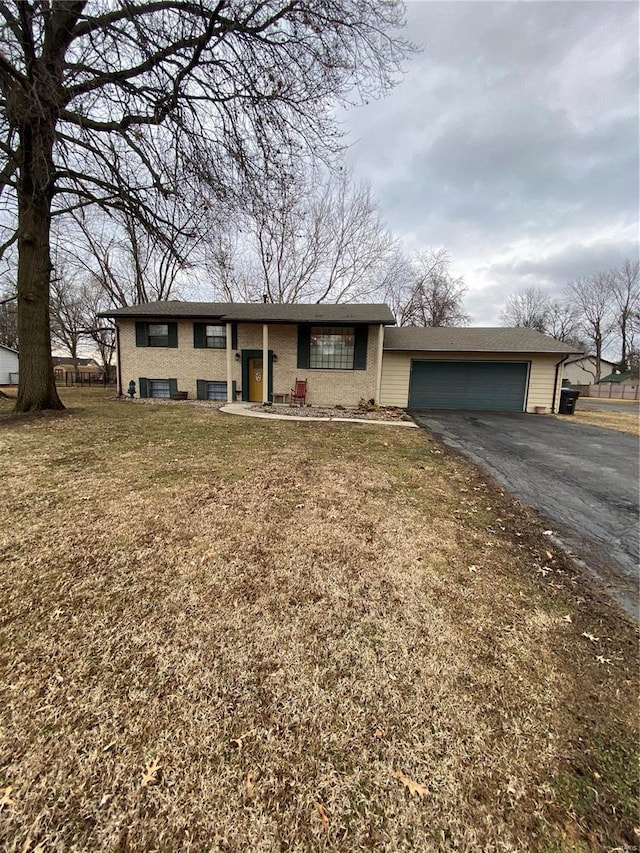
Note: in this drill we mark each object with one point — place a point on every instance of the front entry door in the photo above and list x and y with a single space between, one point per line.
256 380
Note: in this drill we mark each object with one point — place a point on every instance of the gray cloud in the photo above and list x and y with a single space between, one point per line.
513 140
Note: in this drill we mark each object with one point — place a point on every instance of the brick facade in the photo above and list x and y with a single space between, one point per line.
187 364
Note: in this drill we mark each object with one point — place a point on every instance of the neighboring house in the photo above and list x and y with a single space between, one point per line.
581 369
64 364
491 369
8 365
627 378
255 352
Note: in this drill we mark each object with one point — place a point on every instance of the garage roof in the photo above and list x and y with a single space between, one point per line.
259 312
472 339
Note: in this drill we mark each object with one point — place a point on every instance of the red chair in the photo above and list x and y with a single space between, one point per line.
299 393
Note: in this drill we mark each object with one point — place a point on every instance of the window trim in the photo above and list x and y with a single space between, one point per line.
143 338
360 351
343 332
144 387
223 389
164 337
222 339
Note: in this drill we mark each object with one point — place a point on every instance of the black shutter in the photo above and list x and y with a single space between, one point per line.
304 343
234 336
360 348
173 334
141 334
199 336
201 385
173 386
143 386
234 391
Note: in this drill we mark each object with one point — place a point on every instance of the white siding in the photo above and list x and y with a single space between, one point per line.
8 364
396 367
583 372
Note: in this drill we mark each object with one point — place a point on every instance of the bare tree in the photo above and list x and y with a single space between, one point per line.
563 323
67 305
310 236
424 292
626 297
104 102
132 264
633 361
8 320
528 308
592 297
99 331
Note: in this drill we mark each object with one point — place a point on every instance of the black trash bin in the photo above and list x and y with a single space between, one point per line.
568 399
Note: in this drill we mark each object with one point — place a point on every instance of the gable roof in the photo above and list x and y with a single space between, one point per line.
259 312
472 339
66 359
617 377
590 358
10 349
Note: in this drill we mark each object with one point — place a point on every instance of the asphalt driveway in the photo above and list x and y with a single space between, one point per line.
584 478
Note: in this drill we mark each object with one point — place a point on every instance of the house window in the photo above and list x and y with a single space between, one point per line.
160 388
216 337
157 334
216 390
332 347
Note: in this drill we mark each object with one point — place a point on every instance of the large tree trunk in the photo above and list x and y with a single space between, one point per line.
37 388
598 343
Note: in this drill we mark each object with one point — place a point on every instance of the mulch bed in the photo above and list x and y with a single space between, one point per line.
389 413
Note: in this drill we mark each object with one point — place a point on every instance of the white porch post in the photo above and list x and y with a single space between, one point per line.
379 364
265 363
229 366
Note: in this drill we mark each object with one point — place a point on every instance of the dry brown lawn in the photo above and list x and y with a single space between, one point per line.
628 422
224 634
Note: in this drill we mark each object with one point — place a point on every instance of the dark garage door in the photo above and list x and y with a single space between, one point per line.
482 385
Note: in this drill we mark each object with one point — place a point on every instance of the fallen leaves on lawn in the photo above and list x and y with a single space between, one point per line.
6 800
249 786
238 741
413 787
322 812
27 844
150 773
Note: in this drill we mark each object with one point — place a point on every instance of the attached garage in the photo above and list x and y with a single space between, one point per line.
481 369
483 385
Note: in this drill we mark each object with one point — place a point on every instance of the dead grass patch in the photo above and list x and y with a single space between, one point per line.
226 634
627 422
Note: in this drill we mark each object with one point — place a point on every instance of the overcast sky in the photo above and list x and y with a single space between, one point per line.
512 140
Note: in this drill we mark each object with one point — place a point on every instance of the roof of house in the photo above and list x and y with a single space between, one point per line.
584 357
11 349
259 312
66 359
472 339
617 377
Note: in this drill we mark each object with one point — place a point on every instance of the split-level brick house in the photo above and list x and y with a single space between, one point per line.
252 352
345 353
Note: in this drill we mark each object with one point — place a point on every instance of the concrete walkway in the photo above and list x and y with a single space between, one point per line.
247 410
